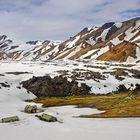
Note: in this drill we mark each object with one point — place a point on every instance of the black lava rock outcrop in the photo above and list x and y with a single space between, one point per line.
5 85
58 86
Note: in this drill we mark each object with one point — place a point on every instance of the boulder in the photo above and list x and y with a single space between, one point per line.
10 119
47 118
30 109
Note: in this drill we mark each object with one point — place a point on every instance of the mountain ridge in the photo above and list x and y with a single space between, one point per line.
95 43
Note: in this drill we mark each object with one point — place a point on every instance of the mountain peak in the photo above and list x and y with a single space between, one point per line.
91 43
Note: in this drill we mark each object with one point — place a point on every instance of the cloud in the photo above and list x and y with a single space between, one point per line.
59 19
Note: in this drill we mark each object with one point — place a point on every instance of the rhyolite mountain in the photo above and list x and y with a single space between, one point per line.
110 42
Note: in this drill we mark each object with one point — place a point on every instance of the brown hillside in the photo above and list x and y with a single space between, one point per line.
120 52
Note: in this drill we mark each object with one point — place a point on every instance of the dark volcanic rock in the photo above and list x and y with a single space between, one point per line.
122 88
108 25
17 73
5 84
54 87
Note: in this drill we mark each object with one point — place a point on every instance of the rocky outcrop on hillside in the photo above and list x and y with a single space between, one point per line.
58 86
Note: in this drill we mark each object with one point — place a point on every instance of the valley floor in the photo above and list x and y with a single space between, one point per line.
72 128
13 96
120 105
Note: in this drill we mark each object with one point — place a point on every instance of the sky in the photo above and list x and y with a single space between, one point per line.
28 20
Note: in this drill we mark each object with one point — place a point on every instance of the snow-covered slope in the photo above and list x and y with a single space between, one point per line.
73 128
31 50
101 43
91 43
101 77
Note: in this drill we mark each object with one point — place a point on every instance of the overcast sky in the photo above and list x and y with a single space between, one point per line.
60 19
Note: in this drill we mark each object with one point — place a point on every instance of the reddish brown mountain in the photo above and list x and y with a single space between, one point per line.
110 42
